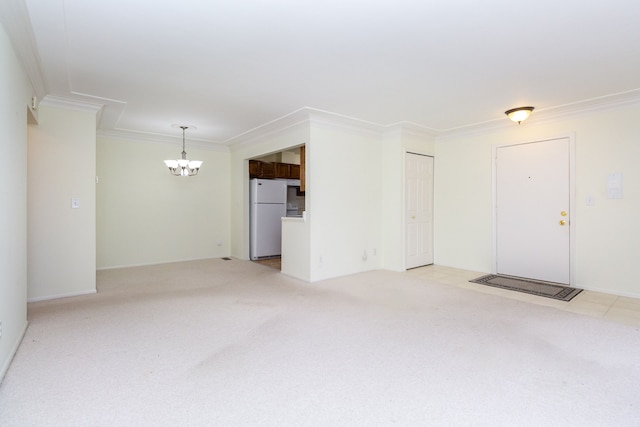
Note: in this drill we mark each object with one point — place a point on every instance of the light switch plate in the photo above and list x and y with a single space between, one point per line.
614 186
75 203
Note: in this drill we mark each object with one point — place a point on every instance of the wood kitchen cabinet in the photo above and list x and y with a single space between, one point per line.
295 171
267 170
258 169
254 169
282 170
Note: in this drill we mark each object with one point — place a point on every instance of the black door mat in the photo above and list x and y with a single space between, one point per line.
529 286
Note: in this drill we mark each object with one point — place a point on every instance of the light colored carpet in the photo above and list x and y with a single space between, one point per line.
234 343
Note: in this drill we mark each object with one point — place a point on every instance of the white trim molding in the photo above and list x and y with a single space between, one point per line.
66 295
15 20
155 138
310 115
255 135
70 104
14 349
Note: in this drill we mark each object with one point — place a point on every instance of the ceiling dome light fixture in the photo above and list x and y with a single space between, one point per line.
519 114
183 167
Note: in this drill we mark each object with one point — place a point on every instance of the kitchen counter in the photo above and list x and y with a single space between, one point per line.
297 218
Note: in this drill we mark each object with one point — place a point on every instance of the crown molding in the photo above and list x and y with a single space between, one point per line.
317 117
410 128
589 106
112 109
332 120
339 121
15 20
550 114
305 116
70 104
255 135
155 138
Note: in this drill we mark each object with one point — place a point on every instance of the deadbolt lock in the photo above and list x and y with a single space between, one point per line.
563 213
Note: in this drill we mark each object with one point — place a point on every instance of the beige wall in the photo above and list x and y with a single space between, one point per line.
607 235
147 216
62 240
344 201
16 95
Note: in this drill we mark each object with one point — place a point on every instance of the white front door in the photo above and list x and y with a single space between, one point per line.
419 210
533 191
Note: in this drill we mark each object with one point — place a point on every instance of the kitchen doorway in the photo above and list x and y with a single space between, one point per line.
268 175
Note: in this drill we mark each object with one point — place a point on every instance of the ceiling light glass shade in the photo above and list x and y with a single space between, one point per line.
519 114
183 167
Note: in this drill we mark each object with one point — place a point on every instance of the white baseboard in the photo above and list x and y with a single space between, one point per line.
608 291
6 365
70 294
114 267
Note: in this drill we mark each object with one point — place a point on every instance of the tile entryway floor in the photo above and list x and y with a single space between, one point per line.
615 308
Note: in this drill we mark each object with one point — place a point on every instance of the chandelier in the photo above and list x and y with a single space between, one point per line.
183 167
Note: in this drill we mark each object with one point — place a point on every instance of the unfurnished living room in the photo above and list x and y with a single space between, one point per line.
319 213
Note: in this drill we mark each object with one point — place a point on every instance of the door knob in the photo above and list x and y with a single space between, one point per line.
563 222
563 213
413 217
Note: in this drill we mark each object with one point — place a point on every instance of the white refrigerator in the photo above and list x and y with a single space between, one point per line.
268 205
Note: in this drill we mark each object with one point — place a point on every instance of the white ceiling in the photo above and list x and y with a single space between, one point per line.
229 66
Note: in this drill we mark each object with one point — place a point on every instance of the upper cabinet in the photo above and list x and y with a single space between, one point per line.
254 168
283 170
260 169
295 172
